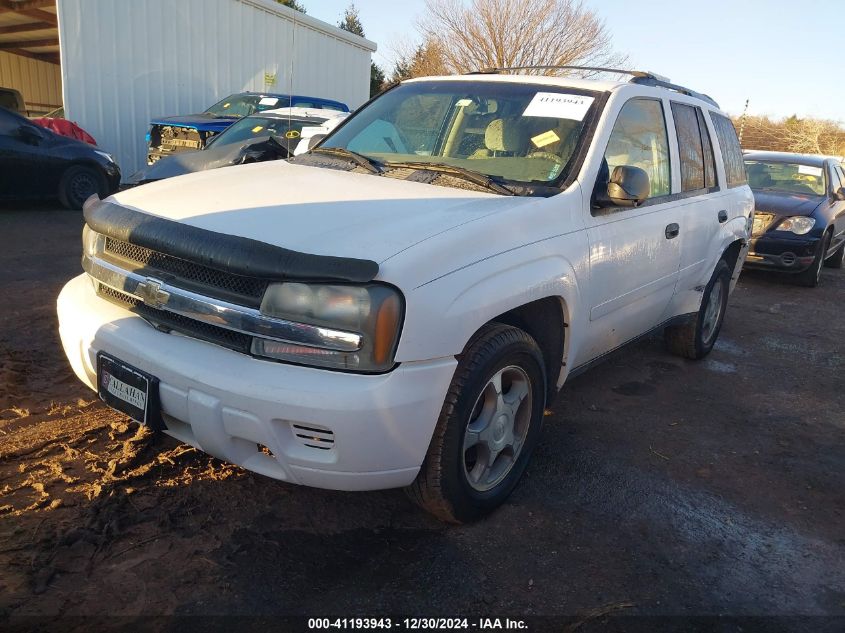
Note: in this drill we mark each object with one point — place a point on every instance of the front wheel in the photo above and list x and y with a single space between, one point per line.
696 338
813 275
78 184
488 427
836 260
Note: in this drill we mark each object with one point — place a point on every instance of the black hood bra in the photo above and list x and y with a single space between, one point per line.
228 253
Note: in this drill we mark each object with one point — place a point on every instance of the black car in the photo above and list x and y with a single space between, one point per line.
799 218
37 163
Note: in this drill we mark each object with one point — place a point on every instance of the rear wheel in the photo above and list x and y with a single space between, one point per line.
836 260
696 338
812 276
78 184
488 427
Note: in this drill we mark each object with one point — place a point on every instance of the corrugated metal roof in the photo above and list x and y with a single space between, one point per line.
29 28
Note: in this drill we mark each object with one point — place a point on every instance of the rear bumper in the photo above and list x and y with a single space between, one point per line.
373 431
788 255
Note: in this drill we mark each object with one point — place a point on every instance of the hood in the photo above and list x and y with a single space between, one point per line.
315 210
201 122
782 203
251 150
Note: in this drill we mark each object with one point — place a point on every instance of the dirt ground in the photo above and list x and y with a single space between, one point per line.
661 487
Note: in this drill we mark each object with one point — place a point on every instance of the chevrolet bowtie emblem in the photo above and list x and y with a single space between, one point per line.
151 294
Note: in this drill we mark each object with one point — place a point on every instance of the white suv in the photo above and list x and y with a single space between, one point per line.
398 306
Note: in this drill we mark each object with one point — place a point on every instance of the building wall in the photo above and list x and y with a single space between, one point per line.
126 61
39 82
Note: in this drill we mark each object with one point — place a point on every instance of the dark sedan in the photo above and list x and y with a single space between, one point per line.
37 163
799 221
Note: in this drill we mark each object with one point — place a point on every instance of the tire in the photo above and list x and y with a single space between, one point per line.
457 481
836 260
811 277
78 184
695 338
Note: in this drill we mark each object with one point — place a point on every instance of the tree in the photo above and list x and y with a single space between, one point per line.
424 60
351 21
502 33
805 136
376 79
293 4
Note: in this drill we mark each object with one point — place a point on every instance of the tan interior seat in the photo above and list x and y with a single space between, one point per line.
502 136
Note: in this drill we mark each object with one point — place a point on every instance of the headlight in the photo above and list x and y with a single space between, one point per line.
373 312
799 224
105 155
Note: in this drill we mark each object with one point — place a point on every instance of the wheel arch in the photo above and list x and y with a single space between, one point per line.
544 320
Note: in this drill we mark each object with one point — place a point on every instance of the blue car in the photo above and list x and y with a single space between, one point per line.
170 135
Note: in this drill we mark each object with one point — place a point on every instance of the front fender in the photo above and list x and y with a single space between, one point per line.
444 314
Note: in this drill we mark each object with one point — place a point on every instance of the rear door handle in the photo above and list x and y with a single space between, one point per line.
672 231
723 216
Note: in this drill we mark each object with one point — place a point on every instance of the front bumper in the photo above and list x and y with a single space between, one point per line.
784 254
374 430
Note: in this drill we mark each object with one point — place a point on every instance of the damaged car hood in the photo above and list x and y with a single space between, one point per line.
213 157
315 210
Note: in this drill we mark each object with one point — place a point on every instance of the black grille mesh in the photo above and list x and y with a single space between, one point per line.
177 322
197 274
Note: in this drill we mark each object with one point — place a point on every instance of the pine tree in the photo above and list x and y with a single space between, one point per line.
293 4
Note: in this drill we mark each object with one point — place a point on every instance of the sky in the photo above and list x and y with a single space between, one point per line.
782 55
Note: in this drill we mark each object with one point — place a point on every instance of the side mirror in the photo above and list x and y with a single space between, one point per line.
628 186
30 134
315 140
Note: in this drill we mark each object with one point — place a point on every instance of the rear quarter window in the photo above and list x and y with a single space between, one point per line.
731 151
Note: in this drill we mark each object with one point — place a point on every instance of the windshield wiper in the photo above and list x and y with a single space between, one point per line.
472 176
369 164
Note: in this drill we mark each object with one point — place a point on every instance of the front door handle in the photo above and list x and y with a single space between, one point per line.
723 216
672 231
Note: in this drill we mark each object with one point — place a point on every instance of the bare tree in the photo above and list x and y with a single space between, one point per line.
502 33
806 136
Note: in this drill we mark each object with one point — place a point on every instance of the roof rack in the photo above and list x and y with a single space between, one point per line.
641 77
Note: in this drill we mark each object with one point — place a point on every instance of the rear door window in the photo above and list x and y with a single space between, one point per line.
639 139
698 170
731 151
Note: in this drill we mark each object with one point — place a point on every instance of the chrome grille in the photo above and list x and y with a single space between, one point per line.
178 323
213 282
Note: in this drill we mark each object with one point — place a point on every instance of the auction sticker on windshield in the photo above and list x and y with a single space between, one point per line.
557 105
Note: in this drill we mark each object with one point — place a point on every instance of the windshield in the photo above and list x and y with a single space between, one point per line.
287 131
241 105
519 132
788 177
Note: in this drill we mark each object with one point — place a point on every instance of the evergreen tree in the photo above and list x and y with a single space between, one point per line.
293 4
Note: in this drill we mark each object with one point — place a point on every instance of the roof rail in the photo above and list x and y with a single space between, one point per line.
597 69
660 83
641 77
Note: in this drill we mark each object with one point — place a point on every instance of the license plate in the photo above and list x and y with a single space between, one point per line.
129 390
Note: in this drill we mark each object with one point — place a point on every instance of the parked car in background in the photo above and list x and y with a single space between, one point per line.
267 135
37 163
799 218
170 135
398 306
12 100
